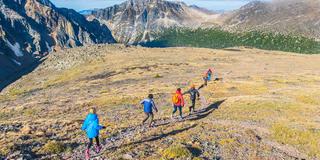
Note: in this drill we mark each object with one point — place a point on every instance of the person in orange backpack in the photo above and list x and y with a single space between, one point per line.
178 103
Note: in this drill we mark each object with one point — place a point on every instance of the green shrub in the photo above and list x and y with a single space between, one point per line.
176 151
53 147
157 76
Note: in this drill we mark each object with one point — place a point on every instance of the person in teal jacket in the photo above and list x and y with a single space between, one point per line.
92 127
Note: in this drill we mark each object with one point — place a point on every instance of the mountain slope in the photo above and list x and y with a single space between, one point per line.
284 16
262 109
29 29
135 20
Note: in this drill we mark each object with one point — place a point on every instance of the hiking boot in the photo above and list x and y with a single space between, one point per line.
98 149
87 152
172 117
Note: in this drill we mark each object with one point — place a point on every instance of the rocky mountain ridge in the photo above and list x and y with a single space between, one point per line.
279 16
29 29
135 20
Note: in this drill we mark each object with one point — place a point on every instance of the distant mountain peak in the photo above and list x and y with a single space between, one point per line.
299 17
136 20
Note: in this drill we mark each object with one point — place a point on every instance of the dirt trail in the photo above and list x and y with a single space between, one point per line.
117 141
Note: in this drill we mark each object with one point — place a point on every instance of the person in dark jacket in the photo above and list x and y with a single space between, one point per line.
148 106
194 94
92 128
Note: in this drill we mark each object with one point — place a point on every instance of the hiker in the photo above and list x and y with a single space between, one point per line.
209 74
206 77
178 103
194 94
92 127
148 106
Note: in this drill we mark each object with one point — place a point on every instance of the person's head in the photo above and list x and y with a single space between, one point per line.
150 96
93 110
193 86
179 90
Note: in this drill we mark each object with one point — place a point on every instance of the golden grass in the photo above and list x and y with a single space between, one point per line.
309 99
105 100
305 140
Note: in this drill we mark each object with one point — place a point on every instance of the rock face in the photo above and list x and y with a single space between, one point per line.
29 29
284 16
135 20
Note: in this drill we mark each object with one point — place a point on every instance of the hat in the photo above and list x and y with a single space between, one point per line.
92 110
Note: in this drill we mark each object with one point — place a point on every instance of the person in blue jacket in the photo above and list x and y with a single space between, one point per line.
92 127
148 106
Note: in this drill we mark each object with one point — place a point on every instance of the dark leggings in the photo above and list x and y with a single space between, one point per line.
191 108
175 108
91 142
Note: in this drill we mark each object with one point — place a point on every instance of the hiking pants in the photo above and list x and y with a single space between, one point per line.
147 117
175 108
193 104
205 79
91 142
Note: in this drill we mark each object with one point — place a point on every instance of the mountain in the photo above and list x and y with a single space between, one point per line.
29 29
201 9
135 20
284 16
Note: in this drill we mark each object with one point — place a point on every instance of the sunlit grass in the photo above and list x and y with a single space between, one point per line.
306 140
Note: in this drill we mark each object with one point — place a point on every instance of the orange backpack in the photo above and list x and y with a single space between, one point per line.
175 98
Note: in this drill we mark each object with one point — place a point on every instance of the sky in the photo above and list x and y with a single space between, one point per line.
216 5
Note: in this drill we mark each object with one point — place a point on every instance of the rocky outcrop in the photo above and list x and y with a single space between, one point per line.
29 29
136 20
282 16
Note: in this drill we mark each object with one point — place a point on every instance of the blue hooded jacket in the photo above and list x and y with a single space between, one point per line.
91 125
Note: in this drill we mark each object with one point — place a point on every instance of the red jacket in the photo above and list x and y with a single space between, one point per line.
181 100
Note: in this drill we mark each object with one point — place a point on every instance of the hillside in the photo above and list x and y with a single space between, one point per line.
30 29
265 107
219 38
279 16
135 20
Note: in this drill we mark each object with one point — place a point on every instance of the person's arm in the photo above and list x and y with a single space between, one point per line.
154 106
198 94
182 100
85 124
185 93
142 103
98 126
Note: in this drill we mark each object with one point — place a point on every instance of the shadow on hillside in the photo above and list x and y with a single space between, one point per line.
19 74
203 113
156 137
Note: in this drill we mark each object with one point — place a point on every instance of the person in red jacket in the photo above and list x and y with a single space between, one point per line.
178 103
